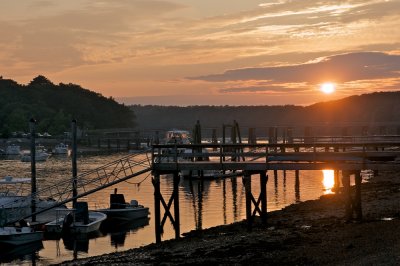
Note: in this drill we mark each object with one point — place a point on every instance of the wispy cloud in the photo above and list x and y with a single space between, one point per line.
338 68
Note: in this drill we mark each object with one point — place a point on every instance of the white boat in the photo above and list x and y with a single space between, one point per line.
13 207
120 210
13 198
61 149
13 150
177 136
40 155
78 220
17 236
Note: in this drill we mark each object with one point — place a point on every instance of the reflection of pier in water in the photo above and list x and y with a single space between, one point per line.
198 190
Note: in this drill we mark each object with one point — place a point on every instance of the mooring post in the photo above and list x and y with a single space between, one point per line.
357 198
32 125
347 194
157 210
74 167
176 205
247 186
263 183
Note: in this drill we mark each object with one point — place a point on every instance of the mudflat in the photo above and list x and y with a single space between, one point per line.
309 233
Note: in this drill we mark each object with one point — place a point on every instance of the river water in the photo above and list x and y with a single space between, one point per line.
203 204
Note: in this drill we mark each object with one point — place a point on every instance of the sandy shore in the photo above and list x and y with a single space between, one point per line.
309 233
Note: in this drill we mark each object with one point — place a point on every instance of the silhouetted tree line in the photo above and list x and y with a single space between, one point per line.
54 106
366 108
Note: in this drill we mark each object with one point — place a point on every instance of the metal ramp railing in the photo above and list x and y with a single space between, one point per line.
87 183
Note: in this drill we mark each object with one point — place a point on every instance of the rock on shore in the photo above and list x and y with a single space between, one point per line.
309 233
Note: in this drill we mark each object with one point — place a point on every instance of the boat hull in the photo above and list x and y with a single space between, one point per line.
19 236
95 220
126 214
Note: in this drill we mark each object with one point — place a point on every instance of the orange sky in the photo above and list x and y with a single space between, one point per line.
190 52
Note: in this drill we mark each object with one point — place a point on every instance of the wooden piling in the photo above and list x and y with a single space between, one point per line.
347 194
263 195
32 125
297 185
357 197
157 205
74 165
247 186
214 138
176 205
336 180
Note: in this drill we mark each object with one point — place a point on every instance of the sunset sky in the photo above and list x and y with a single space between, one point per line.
196 52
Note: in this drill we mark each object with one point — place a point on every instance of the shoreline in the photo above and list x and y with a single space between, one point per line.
308 233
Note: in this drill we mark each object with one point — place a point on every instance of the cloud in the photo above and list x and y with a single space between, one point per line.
263 89
338 68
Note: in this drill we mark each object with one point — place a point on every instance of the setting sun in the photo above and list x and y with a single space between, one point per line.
328 88
328 181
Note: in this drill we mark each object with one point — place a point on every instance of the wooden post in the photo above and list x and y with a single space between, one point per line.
74 167
276 178
357 198
214 138
157 138
263 183
347 194
297 185
247 186
32 125
157 209
289 131
337 180
176 205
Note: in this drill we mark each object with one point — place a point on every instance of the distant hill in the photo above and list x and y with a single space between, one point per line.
367 109
54 106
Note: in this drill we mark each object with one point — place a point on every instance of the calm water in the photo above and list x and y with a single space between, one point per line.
203 204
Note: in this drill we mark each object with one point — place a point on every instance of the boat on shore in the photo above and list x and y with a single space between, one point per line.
122 211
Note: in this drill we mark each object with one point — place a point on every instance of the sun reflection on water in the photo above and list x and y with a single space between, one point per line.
328 181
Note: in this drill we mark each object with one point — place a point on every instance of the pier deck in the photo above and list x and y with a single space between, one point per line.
258 157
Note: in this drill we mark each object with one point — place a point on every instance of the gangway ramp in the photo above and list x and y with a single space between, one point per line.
87 183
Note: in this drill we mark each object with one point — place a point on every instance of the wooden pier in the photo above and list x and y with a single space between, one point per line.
347 154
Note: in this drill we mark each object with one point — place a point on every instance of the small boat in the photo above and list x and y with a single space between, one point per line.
13 150
15 236
122 211
177 136
78 220
40 155
61 149
14 201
